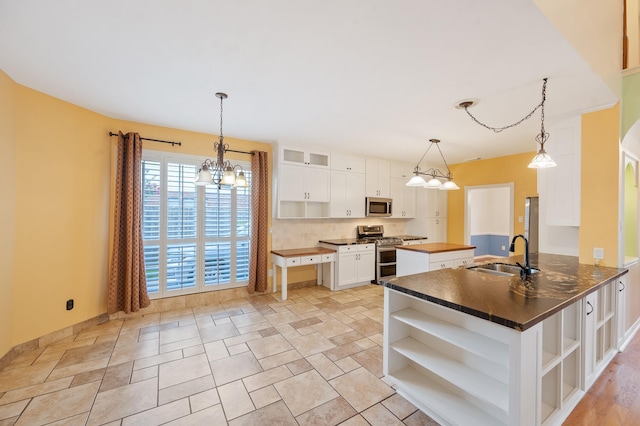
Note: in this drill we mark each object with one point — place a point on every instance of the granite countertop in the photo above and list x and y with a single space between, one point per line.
436 247
505 300
345 242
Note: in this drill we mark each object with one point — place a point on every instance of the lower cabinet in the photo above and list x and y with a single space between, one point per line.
409 262
459 369
355 265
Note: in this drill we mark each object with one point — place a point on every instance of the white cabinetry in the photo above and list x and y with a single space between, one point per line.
560 185
377 172
404 199
409 262
436 215
302 184
436 229
600 333
347 186
355 264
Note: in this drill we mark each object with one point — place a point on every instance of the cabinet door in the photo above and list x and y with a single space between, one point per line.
317 184
589 309
397 191
437 230
338 207
347 268
622 310
408 201
347 163
366 265
291 183
355 194
377 172
436 203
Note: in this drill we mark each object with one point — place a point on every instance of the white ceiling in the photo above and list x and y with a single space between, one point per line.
369 76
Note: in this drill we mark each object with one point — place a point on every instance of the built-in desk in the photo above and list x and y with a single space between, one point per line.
299 257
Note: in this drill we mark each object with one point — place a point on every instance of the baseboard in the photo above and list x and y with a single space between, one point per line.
630 335
49 338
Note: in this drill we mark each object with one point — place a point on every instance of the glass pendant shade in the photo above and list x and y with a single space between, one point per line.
449 185
542 160
417 180
204 177
241 180
433 183
228 178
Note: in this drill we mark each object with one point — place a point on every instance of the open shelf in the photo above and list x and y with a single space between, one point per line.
425 393
481 386
465 339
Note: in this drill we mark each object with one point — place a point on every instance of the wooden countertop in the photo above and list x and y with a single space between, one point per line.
307 251
509 301
435 247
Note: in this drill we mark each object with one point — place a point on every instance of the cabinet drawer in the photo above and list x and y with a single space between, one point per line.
328 257
293 261
355 248
309 260
443 264
451 255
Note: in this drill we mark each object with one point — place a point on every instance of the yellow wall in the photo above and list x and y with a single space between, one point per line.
7 208
630 213
599 182
62 172
512 168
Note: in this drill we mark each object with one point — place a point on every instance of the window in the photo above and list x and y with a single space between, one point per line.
195 238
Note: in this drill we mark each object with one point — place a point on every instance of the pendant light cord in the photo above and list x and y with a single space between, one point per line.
499 129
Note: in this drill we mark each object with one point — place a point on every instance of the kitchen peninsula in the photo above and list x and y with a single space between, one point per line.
413 259
473 347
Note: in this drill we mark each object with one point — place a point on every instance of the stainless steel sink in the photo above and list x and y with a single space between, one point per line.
504 269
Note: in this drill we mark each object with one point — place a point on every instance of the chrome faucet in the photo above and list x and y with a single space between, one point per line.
526 269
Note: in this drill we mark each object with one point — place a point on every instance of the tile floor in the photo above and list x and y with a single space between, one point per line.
315 359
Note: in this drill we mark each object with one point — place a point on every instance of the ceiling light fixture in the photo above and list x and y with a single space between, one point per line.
436 175
220 171
542 159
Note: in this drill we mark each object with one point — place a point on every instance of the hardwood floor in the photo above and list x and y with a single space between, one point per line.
614 399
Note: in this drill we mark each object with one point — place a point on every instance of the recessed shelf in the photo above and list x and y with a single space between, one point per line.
427 393
475 343
464 377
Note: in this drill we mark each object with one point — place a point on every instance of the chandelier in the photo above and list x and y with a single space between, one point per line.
542 159
436 175
220 171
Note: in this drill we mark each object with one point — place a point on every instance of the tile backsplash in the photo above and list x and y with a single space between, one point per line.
299 233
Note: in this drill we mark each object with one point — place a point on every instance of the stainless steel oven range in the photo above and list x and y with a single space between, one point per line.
385 249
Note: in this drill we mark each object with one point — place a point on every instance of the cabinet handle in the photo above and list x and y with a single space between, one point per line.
623 286
591 306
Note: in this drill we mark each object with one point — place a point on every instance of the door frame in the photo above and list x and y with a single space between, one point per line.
467 209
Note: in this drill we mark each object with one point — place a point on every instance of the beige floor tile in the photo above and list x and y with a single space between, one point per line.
371 359
79 420
264 396
330 413
25 359
216 350
280 359
282 318
181 344
193 350
183 370
235 399
159 415
74 369
33 391
124 401
141 321
255 327
209 416
134 351
238 349
274 414
287 331
379 415
247 319
305 391
185 389
156 360
349 337
311 344
327 369
218 332
243 338
361 389
399 406
144 374
25 376
332 328
342 351
203 400
49 356
420 419
12 409
234 368
85 353
266 378
116 376
366 326
178 333
356 421
347 364
268 346
87 377
378 339
204 322
155 335
299 366
67 403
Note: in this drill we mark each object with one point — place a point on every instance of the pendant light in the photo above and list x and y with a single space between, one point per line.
436 175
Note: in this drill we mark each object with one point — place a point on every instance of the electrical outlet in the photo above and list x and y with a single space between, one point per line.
69 304
504 248
270 272
598 253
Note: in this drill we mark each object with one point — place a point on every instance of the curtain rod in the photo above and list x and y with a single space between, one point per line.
153 140
180 144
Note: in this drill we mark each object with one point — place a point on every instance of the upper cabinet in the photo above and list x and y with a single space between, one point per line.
404 197
300 157
560 185
347 163
378 174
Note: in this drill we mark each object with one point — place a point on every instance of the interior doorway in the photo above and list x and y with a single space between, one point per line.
488 218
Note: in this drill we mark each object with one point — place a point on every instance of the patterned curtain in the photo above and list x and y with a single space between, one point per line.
259 222
127 282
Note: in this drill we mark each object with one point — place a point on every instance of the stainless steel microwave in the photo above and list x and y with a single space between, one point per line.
380 207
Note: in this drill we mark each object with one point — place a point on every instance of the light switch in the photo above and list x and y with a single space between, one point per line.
598 253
